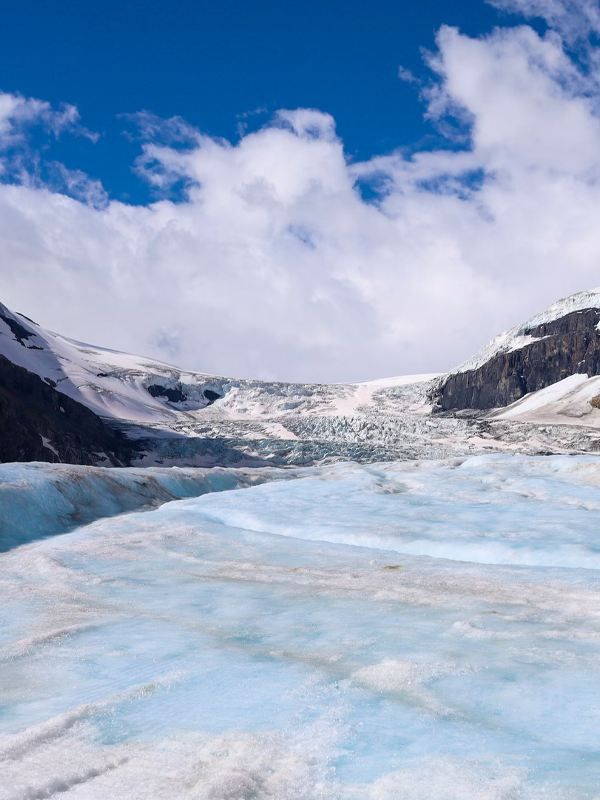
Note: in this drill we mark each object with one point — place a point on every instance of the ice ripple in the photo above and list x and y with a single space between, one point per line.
300 640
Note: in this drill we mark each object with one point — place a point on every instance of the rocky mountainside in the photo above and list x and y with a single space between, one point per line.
38 423
128 409
561 342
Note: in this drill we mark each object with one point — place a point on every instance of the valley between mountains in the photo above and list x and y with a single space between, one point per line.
255 609
531 391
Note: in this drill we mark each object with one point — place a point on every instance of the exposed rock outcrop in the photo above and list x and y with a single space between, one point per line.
38 423
174 394
551 351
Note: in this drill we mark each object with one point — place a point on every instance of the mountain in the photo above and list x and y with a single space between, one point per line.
38 423
62 400
560 346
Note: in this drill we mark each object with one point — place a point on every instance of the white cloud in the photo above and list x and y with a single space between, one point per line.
20 162
77 184
18 113
574 19
274 265
522 94
406 76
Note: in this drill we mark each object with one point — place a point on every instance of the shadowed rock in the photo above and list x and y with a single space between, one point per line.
37 423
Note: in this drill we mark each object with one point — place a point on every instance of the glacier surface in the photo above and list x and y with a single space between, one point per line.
404 631
39 500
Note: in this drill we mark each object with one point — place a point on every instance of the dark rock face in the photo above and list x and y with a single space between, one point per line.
31 409
569 345
20 333
173 395
211 396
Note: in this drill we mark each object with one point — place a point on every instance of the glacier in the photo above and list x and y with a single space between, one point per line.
422 630
39 499
173 417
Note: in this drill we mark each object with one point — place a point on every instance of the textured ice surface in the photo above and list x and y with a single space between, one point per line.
38 500
416 631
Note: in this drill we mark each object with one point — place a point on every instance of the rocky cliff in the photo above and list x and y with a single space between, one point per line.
37 423
534 356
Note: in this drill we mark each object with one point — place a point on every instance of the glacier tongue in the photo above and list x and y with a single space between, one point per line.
419 630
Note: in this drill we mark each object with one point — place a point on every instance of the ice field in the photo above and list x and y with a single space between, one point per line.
407 631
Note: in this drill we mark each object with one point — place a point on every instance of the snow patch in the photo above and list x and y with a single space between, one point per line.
566 402
49 446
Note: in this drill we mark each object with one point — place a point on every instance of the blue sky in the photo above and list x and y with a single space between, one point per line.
287 206
222 65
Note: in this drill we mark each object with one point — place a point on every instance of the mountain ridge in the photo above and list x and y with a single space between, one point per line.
163 415
559 342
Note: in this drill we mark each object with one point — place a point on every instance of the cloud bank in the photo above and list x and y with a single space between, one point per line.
278 257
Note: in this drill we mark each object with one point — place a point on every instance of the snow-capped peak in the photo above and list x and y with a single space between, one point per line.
519 336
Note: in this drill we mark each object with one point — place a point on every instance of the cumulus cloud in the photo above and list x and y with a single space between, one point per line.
273 260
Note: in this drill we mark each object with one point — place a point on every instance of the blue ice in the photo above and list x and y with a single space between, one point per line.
424 631
39 500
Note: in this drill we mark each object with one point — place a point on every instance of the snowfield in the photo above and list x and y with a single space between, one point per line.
425 630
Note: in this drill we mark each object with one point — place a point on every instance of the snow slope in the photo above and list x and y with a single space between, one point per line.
112 384
566 402
116 385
